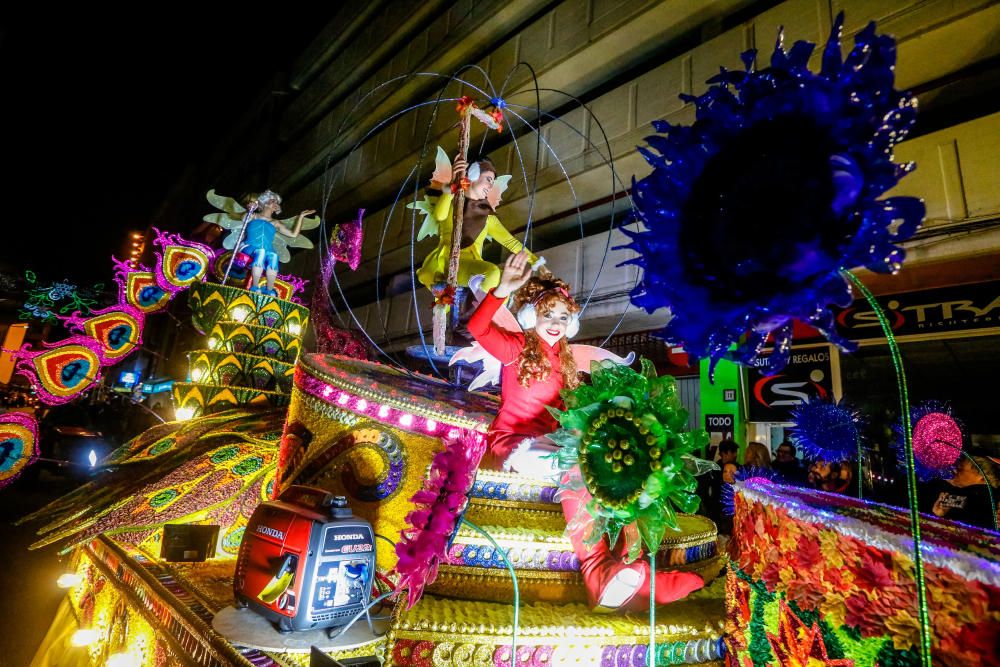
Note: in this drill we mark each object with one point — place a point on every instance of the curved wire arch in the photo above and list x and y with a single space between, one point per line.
530 185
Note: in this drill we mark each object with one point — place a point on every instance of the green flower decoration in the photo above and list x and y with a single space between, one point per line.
627 432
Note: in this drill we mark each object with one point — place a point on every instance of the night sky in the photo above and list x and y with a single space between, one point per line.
102 113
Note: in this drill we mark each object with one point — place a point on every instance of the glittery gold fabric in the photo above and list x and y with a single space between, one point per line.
332 449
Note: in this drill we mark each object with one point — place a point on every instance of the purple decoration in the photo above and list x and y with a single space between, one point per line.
18 449
937 440
938 437
639 655
753 474
542 657
751 213
623 655
827 430
76 322
345 242
298 286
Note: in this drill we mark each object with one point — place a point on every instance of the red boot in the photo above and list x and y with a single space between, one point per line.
611 583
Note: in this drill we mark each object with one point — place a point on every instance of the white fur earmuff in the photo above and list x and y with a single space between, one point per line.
527 317
573 328
474 172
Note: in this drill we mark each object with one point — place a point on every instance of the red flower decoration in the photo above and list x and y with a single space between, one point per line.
808 555
402 652
873 573
497 115
464 104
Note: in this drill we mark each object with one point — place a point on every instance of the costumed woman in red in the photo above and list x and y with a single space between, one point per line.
537 365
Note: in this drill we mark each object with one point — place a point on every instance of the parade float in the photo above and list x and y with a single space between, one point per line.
474 566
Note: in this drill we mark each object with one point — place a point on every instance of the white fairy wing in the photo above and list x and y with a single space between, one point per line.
503 318
583 355
442 170
491 365
500 184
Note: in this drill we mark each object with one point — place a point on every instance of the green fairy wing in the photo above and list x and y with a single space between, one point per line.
426 208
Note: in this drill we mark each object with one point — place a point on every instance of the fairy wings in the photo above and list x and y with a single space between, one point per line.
583 355
440 180
230 217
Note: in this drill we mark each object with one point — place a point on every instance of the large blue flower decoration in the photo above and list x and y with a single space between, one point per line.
751 213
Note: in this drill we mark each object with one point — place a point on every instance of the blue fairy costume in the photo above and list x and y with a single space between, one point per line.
259 244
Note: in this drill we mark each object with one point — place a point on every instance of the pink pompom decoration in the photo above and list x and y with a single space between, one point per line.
937 440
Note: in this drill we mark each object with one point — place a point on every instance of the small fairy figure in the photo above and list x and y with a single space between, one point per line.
264 239
259 240
480 222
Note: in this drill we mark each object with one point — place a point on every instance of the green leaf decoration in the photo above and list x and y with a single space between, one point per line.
627 432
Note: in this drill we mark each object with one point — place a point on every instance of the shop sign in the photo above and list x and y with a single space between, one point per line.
945 310
808 375
723 424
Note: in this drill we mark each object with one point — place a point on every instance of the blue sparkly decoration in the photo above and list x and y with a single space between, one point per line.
756 473
826 430
751 212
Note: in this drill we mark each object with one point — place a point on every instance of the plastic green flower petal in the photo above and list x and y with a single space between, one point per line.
627 432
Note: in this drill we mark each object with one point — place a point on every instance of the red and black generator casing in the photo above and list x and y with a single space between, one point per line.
331 553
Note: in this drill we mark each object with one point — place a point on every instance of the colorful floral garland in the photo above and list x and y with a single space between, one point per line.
839 570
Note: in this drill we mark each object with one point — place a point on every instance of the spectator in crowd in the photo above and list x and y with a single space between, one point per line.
787 465
757 455
835 477
711 492
965 496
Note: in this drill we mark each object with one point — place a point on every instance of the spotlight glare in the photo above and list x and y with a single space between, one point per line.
68 580
84 637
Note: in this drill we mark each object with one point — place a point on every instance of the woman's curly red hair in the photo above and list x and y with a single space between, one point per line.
532 365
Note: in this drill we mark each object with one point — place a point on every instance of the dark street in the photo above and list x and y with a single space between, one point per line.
28 578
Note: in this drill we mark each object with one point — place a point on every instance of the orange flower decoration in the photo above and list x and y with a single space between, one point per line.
799 646
464 104
497 115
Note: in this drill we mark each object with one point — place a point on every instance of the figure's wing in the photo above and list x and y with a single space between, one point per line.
426 208
584 354
500 184
442 170
312 222
491 365
300 241
503 318
224 220
230 216
280 245
227 205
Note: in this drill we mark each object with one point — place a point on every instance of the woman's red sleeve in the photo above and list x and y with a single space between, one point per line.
502 344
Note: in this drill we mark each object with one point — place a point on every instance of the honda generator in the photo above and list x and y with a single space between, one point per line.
305 562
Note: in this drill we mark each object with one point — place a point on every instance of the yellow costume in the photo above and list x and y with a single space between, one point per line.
471 262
